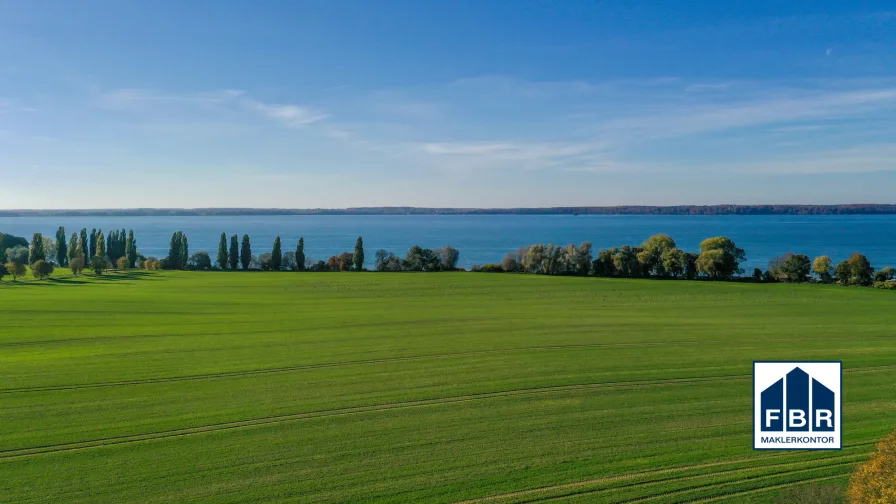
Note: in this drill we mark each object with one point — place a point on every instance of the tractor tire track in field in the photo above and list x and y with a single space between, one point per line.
385 360
662 478
779 486
372 408
672 493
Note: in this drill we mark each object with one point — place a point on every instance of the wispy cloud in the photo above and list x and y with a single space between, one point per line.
151 101
290 115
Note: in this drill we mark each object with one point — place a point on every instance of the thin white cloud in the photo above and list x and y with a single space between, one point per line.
155 102
290 115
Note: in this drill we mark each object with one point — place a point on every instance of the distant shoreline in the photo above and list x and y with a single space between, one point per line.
852 209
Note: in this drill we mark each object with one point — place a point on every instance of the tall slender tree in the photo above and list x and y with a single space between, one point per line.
84 244
300 255
246 252
276 255
100 244
130 250
74 249
222 252
178 251
92 250
234 255
358 256
37 251
61 247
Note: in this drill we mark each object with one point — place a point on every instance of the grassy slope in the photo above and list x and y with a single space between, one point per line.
230 387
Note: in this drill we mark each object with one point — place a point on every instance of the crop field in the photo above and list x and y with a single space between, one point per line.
168 387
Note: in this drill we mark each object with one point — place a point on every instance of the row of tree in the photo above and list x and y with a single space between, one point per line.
659 257
235 253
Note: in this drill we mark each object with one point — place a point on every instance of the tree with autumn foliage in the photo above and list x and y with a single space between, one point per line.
874 482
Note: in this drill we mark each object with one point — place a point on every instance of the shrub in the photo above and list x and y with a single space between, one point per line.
813 494
122 263
41 269
885 274
3 271
76 265
885 285
491 268
98 265
874 482
15 269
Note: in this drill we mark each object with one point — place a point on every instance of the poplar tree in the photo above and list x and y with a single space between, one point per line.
358 256
37 252
83 244
61 247
234 255
178 250
74 250
92 251
246 252
130 250
222 252
100 244
276 255
300 255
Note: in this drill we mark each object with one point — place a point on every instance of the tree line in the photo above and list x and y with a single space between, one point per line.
95 251
236 253
719 258
659 257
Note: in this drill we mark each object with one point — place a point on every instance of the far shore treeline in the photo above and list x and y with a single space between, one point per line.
718 259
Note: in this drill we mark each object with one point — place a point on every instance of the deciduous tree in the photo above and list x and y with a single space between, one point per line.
37 251
797 267
76 265
874 482
300 255
276 255
130 250
98 264
222 252
73 249
234 254
15 269
246 252
61 247
725 265
821 266
358 255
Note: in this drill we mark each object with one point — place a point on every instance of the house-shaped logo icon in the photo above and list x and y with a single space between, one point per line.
796 405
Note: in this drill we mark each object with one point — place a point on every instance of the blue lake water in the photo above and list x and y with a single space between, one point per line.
486 238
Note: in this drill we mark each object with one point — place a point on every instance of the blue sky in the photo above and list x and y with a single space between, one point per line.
460 103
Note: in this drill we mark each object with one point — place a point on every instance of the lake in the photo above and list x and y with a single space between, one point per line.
486 238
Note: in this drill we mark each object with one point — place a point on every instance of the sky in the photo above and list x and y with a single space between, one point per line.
461 103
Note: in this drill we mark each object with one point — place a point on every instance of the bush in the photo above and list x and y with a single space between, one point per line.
813 494
98 265
122 263
491 268
884 285
874 482
41 269
76 265
200 261
15 269
3 271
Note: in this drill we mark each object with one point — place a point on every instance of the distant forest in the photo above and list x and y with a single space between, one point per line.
855 209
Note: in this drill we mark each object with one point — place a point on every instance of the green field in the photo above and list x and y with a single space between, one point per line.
169 387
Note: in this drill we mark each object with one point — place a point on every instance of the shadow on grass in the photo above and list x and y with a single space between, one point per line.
84 278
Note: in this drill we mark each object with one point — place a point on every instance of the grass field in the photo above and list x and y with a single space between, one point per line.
260 387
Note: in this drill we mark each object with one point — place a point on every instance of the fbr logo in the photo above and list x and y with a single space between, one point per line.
796 405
